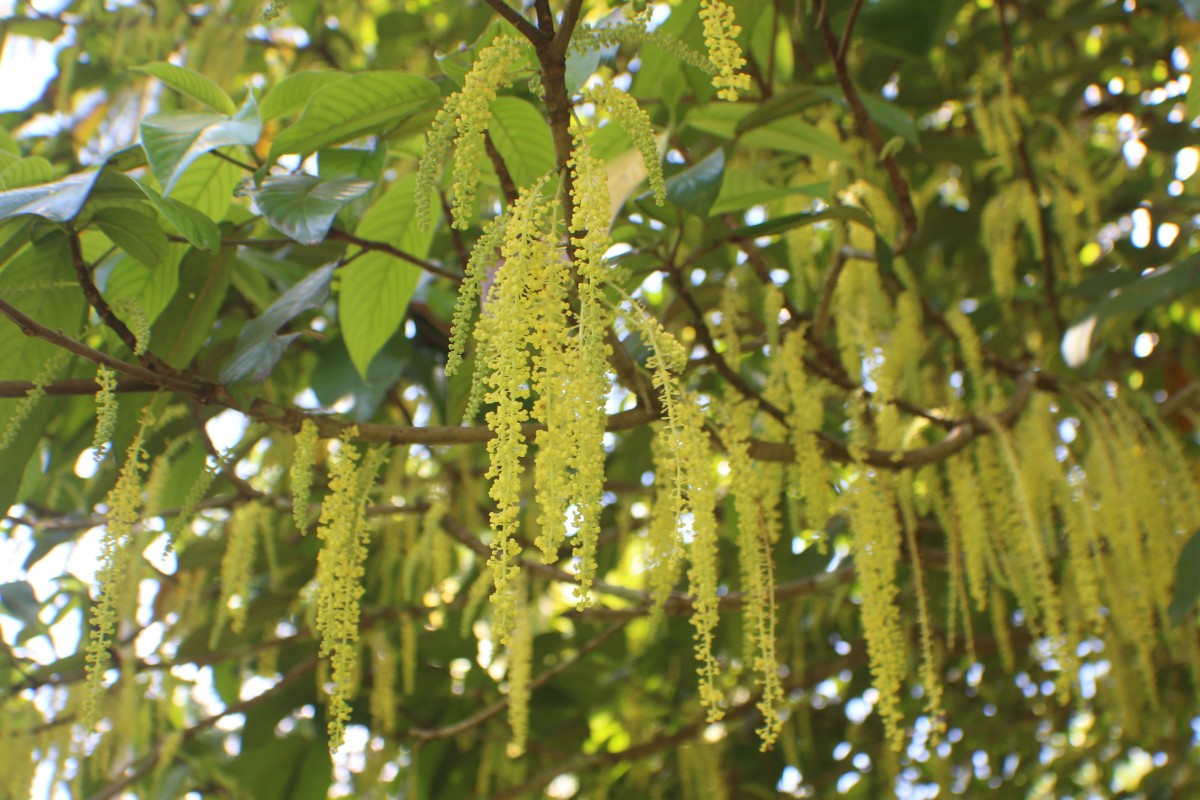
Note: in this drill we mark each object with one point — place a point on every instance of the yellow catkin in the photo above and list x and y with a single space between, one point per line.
929 666
971 523
664 548
877 553
134 315
483 257
523 314
408 653
124 503
806 419
191 502
720 37
301 472
861 311
106 411
754 501
1004 216
383 683
463 121
32 397
520 673
632 118
695 454
237 566
972 355
1031 562
344 533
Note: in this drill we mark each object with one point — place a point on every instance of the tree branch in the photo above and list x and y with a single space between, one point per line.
514 18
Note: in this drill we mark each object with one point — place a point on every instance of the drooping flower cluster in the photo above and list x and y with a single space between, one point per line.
720 36
344 533
462 122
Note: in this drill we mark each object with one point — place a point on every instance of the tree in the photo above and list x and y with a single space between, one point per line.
675 400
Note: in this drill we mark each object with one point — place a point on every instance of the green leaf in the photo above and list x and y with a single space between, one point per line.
892 117
136 233
376 287
59 201
742 190
522 138
796 137
8 144
150 286
26 172
789 222
911 27
175 139
303 206
1187 580
18 600
1155 289
207 186
369 102
259 345
295 768
697 187
187 321
192 224
293 92
193 84
38 280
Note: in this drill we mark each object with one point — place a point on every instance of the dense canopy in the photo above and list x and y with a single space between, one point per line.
429 399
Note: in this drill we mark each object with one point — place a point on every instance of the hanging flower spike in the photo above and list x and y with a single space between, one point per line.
720 36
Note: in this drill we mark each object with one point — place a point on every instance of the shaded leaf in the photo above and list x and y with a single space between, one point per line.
193 84
697 187
742 190
175 139
259 347
1187 580
1157 288
303 206
18 600
136 233
368 102
791 221
187 321
192 224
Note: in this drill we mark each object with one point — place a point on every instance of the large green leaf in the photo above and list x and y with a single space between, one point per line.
304 206
135 232
697 187
193 84
187 321
293 92
175 139
369 102
803 219
376 287
59 201
522 138
260 345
